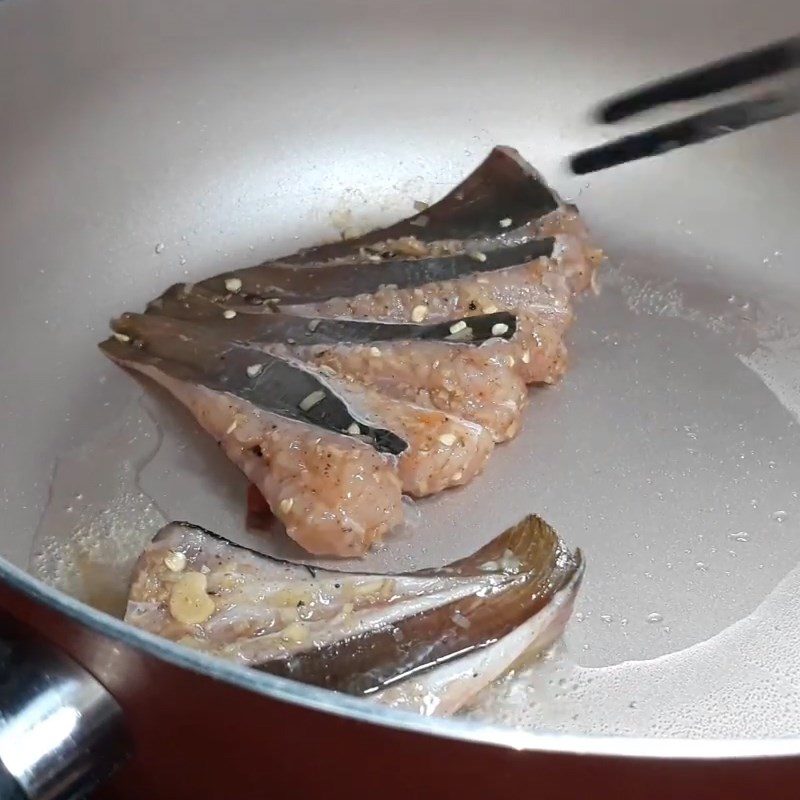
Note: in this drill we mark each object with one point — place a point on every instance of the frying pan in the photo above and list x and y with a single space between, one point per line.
150 142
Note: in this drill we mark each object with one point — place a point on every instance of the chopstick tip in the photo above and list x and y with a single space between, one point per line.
579 164
609 113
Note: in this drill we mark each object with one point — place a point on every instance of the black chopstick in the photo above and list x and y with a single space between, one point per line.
690 130
714 77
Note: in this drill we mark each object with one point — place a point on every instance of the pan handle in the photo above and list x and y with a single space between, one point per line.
61 732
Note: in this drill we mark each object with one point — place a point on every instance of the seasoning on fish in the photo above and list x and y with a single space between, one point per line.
419 363
286 387
406 351
463 223
273 283
281 386
283 327
539 299
427 640
473 383
503 187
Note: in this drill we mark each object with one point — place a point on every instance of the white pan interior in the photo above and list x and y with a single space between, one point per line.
146 143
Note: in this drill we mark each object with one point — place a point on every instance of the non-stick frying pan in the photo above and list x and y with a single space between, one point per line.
150 142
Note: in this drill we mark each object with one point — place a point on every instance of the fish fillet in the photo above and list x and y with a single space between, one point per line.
539 298
474 383
440 450
428 640
406 350
307 475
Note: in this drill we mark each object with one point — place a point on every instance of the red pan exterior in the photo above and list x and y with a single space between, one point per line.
199 739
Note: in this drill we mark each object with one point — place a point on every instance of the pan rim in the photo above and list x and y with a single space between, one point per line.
359 710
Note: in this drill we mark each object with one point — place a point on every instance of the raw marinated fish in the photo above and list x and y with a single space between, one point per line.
267 286
428 640
502 215
538 298
304 472
260 327
535 290
440 450
404 351
503 239
504 202
503 195
474 383
437 365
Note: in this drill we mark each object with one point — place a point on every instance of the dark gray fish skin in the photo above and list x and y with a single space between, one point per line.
276 283
349 631
378 659
214 357
496 208
280 386
503 187
295 329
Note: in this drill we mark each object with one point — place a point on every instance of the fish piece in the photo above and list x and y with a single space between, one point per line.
463 225
453 685
267 285
272 384
539 298
363 634
443 450
290 283
267 327
306 474
576 258
437 365
503 213
474 383
530 288
502 195
504 202
500 257
438 450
